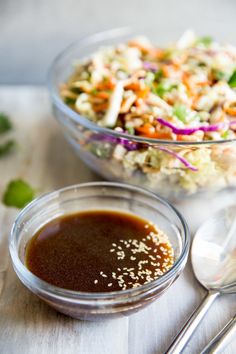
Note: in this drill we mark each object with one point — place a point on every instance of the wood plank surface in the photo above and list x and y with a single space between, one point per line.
29 326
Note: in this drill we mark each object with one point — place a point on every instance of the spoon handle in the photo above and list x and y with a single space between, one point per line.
190 326
222 339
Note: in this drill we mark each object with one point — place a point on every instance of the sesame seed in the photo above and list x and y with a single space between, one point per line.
151 257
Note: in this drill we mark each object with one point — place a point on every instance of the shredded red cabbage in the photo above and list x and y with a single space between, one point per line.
132 146
189 131
180 158
150 66
129 145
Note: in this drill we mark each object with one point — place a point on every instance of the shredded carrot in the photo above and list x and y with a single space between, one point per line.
139 102
102 94
168 70
194 99
143 93
186 82
100 107
158 53
107 84
142 47
134 86
163 135
230 109
146 128
149 131
203 83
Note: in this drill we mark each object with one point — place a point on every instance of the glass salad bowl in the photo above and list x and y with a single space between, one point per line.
173 169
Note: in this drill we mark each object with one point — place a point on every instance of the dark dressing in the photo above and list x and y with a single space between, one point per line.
99 251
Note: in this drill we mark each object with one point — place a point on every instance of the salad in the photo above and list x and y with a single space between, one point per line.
181 95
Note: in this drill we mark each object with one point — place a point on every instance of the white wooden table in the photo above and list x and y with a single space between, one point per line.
29 326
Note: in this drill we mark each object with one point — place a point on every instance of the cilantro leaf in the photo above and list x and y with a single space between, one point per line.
6 147
158 75
18 194
232 79
5 123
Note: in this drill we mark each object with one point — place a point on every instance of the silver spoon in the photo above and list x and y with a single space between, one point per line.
220 341
214 264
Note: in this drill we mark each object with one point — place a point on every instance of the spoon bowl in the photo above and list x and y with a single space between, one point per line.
213 252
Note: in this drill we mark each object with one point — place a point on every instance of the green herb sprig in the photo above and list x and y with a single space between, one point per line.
18 194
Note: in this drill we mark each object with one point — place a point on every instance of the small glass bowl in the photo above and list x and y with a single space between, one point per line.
98 196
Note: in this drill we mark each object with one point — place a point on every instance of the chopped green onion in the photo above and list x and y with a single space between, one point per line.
150 77
5 123
206 41
232 79
180 111
164 87
18 194
7 147
130 130
69 100
225 135
103 151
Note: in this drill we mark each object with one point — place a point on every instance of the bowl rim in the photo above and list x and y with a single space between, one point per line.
85 122
58 292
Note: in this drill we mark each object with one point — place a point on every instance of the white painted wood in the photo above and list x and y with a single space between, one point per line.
29 326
